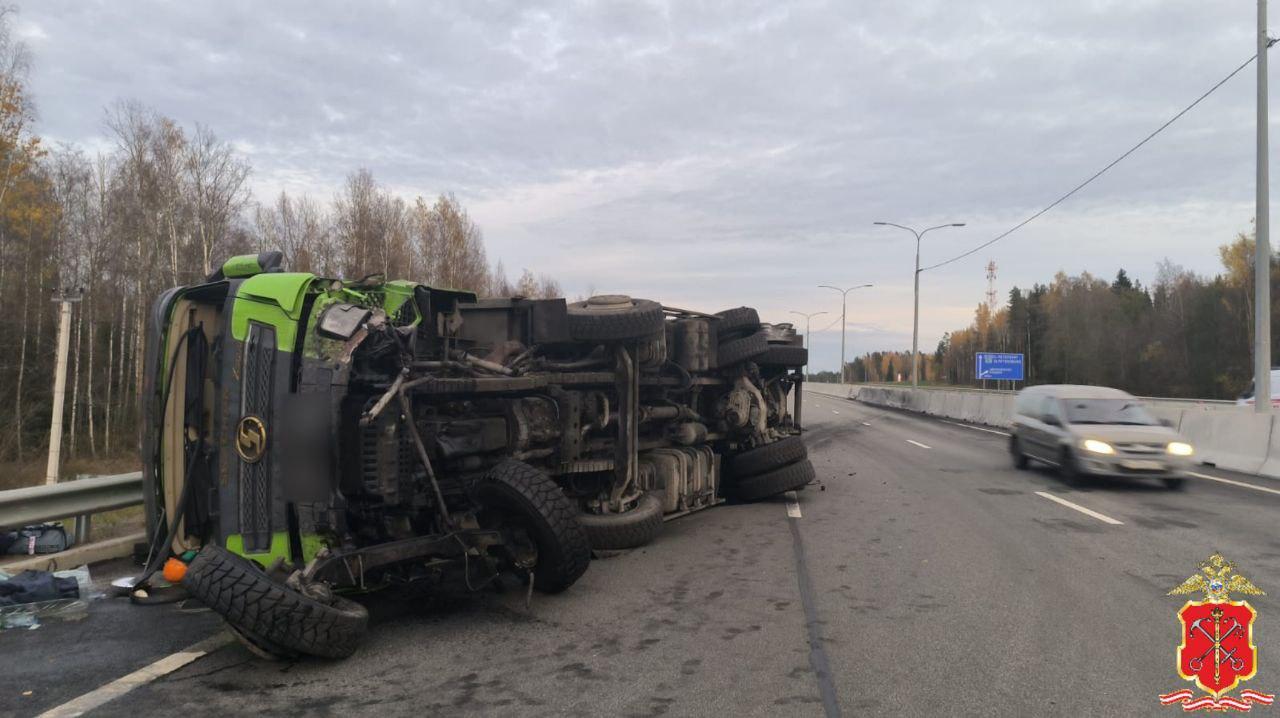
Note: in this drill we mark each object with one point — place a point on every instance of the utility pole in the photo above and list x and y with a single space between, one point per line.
807 317
1262 243
915 322
844 297
65 299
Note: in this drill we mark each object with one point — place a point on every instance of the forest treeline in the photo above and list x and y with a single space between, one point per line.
165 206
1186 335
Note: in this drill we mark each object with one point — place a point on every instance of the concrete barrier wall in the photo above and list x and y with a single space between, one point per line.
1226 436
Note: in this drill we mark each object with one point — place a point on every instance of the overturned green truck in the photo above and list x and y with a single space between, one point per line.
309 437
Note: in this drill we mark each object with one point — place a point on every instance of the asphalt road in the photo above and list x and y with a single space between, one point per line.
925 576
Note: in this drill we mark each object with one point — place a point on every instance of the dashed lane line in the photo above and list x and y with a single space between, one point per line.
1087 512
922 446
1233 482
866 423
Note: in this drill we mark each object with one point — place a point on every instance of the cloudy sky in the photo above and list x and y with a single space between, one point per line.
714 154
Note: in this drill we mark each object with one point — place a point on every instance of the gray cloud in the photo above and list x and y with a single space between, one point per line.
715 153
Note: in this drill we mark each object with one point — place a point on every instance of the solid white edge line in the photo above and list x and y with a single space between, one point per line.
1088 512
1233 483
793 505
922 446
120 686
975 428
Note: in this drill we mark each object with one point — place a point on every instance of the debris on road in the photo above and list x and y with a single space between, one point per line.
31 595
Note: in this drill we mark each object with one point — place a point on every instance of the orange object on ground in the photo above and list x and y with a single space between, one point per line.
174 570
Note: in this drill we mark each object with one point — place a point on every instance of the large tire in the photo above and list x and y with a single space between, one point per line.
271 615
614 317
736 351
762 486
637 527
768 457
737 322
784 355
540 506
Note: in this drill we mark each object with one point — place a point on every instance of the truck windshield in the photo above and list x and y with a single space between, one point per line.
1108 411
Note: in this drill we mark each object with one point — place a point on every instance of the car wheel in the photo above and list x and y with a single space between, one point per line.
1020 460
1175 483
1068 469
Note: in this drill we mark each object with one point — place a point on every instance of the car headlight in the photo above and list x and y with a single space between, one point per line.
1180 448
1098 447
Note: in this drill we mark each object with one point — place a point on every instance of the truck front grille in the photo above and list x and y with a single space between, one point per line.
257 380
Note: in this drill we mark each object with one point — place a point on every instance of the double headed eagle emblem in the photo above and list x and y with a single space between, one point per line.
1217 578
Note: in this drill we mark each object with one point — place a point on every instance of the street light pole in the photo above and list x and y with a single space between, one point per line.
65 299
1262 238
807 317
844 296
915 321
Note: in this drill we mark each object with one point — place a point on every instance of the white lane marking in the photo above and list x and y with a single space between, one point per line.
1088 512
922 446
833 411
120 686
793 505
975 428
866 424
1233 483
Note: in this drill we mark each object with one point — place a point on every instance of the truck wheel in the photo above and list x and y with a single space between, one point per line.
772 483
535 502
774 455
739 350
784 355
614 317
637 527
736 322
270 615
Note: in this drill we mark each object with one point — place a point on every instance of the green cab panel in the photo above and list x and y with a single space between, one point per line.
274 299
311 545
244 265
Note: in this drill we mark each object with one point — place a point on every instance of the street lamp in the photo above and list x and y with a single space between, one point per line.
807 317
844 296
915 322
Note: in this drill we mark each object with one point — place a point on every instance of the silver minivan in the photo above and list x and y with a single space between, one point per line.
1095 431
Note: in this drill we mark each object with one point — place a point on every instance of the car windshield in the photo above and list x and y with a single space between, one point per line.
1108 411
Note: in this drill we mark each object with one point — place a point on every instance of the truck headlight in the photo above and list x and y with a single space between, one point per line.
1098 447
1180 448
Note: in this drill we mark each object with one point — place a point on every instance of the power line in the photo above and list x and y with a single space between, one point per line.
832 324
1100 172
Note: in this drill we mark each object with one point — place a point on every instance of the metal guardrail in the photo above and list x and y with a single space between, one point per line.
937 387
80 499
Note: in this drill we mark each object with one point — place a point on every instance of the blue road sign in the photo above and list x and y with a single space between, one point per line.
999 366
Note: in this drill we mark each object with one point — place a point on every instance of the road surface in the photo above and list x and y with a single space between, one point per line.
925 576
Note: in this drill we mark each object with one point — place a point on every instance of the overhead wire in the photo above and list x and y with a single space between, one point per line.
1100 172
